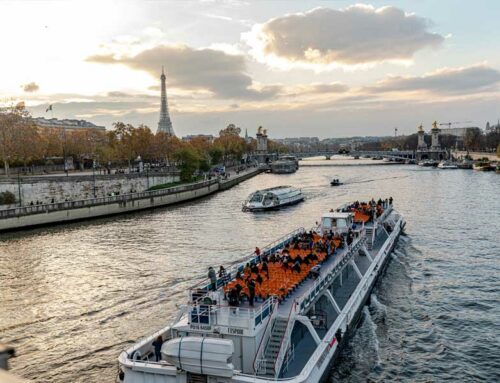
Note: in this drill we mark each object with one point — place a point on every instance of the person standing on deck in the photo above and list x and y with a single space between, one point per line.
158 342
251 292
257 254
223 275
213 278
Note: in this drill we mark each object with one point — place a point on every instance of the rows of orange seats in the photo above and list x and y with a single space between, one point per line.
282 281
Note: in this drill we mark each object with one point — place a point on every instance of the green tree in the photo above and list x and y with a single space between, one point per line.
188 162
216 153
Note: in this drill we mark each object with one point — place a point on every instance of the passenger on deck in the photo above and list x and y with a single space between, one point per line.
296 266
213 278
350 238
390 200
157 343
265 269
247 270
259 279
257 253
238 276
223 275
251 292
254 268
233 297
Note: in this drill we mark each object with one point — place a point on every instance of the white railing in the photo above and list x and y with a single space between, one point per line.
230 316
285 341
322 281
259 359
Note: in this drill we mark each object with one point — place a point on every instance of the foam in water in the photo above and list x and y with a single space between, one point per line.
378 309
368 333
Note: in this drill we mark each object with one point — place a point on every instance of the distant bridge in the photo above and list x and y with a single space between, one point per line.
384 154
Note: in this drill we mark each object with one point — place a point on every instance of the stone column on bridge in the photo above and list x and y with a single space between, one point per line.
261 140
421 145
435 136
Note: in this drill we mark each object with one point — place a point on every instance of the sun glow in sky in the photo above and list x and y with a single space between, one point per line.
302 68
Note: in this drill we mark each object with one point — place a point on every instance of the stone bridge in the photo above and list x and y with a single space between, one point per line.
385 154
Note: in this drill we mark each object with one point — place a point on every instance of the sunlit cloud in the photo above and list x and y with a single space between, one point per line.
476 78
211 70
359 36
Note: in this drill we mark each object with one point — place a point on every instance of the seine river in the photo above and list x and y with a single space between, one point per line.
72 297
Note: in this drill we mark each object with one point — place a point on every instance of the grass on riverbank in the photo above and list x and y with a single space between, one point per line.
173 184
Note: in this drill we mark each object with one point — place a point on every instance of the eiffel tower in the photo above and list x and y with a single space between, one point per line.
165 124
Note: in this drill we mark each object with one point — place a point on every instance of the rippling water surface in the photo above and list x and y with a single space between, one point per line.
72 297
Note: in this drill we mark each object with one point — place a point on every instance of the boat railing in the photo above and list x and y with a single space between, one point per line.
259 360
207 316
308 297
285 340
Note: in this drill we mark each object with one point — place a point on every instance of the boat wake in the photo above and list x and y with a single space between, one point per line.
378 310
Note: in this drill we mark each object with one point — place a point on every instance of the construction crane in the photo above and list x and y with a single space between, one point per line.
449 124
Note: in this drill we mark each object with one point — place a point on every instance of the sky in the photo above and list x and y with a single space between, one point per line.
298 68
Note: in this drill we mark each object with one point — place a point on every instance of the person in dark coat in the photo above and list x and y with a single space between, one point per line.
251 291
213 278
158 342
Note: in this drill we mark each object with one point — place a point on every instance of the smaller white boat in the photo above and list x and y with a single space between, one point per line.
273 198
284 167
428 163
447 165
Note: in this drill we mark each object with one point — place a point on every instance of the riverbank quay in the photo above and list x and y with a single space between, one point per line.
475 155
50 189
378 163
57 213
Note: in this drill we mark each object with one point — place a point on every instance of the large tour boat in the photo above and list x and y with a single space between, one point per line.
273 198
309 288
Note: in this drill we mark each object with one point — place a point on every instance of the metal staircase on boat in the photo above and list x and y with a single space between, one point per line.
370 235
273 347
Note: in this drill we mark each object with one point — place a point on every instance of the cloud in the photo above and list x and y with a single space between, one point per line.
220 73
30 87
447 80
325 37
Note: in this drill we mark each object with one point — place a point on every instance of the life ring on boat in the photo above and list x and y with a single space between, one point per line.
136 355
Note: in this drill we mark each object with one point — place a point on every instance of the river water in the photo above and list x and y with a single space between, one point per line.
72 297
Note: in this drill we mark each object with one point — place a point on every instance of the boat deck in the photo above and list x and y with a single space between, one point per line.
285 306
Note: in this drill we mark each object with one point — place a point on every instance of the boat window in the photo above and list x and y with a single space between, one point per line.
341 222
268 198
256 198
327 222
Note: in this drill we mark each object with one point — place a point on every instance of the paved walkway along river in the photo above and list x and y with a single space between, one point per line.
73 297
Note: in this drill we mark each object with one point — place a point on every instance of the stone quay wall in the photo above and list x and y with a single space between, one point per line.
56 213
476 155
55 189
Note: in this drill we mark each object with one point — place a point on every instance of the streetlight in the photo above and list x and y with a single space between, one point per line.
19 187
93 176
